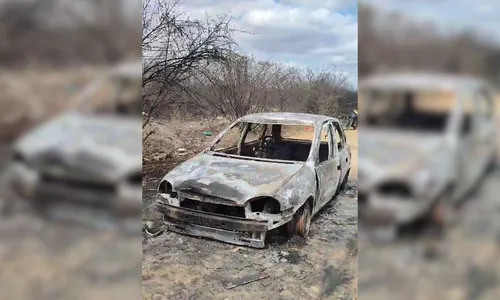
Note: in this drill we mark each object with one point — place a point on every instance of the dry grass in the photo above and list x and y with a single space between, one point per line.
28 97
162 148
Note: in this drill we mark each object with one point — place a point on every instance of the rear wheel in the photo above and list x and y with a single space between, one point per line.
301 222
492 164
343 185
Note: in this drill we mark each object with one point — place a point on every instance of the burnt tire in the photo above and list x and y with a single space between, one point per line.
440 216
492 164
301 222
343 185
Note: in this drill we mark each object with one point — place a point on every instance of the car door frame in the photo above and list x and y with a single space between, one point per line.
467 169
343 154
486 139
328 171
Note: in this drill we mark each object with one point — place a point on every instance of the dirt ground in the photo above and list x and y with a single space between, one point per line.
182 267
463 265
44 260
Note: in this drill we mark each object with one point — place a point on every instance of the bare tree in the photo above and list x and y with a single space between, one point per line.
238 86
395 41
59 32
175 47
244 85
325 90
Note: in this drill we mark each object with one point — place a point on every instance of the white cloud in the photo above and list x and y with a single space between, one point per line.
302 33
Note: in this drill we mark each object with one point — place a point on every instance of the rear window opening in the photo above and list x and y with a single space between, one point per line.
269 141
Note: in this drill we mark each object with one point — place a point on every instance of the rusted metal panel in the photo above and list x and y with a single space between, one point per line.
186 215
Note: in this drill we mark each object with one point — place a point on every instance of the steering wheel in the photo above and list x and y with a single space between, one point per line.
265 145
268 140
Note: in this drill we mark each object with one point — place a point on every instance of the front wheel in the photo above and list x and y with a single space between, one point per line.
441 216
301 222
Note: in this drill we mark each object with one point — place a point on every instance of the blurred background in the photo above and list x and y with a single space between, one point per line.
428 172
70 133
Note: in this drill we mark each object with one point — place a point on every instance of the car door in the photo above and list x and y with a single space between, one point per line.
484 130
327 166
342 149
467 151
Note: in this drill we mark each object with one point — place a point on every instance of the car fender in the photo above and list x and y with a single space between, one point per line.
296 191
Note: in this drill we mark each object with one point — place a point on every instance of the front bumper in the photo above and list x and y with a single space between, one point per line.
238 231
60 200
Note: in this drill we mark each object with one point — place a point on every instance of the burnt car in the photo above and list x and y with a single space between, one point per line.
427 140
86 161
264 171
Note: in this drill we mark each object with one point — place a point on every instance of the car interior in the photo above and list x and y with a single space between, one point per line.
406 114
269 143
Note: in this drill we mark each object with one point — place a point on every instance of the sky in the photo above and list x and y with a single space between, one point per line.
449 15
302 33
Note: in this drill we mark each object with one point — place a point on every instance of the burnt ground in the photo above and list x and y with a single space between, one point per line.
465 264
323 267
52 260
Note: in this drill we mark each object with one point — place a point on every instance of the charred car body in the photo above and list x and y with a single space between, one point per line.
259 174
87 160
426 141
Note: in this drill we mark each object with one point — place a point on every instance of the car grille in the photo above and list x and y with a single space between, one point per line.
53 188
221 209
81 166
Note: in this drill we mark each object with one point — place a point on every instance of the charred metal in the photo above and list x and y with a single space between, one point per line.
87 158
239 192
428 140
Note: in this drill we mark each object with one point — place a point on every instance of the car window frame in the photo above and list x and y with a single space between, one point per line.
331 142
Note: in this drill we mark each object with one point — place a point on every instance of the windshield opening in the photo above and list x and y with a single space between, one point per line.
267 141
114 95
407 110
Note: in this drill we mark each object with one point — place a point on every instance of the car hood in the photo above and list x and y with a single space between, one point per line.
385 153
103 144
231 178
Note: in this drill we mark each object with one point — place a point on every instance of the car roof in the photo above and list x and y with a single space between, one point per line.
286 118
423 81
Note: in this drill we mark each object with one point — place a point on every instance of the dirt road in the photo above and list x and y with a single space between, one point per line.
49 260
465 265
324 267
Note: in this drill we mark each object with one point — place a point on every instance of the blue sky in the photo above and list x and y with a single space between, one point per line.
303 33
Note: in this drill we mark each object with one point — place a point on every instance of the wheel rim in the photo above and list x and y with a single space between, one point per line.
308 223
304 224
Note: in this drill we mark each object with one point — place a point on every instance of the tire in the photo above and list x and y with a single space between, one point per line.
492 164
343 185
301 222
441 215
